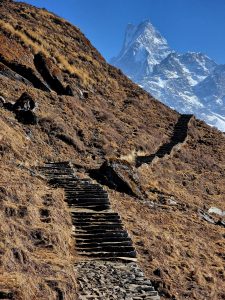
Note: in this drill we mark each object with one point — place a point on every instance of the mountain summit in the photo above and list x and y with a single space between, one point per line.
189 82
143 48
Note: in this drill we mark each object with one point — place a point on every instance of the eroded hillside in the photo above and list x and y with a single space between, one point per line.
88 112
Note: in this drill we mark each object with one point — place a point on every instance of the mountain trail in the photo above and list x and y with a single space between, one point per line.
108 269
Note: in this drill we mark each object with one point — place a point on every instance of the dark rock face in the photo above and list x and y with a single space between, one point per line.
23 109
85 94
27 117
9 73
25 72
8 106
108 174
6 295
69 90
53 79
25 102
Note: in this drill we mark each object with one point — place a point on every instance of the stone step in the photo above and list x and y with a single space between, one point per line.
96 223
109 255
98 207
92 245
69 179
57 163
98 227
87 201
58 171
94 214
95 218
85 184
88 204
88 192
99 231
74 204
72 189
91 196
54 167
58 175
104 218
103 240
83 188
103 248
54 179
103 235
95 208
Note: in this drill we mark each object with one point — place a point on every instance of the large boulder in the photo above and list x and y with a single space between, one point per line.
51 74
25 102
23 73
26 117
117 175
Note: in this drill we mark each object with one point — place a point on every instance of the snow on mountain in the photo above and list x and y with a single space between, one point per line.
213 87
143 47
189 82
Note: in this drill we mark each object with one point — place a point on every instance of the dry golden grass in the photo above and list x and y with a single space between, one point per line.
29 244
177 244
131 157
23 37
37 44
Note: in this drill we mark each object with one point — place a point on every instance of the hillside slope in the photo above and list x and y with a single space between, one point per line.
88 112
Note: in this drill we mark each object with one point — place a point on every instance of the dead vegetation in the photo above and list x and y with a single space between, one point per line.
28 244
37 44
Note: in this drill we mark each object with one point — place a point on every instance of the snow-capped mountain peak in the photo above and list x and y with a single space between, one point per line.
189 82
143 48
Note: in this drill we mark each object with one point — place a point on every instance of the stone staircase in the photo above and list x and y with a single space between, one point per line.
100 239
179 136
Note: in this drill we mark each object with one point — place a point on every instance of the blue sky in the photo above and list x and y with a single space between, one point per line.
188 25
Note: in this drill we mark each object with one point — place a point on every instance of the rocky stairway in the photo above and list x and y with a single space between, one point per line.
100 239
179 135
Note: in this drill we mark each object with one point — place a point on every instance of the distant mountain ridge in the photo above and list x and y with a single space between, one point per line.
189 82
